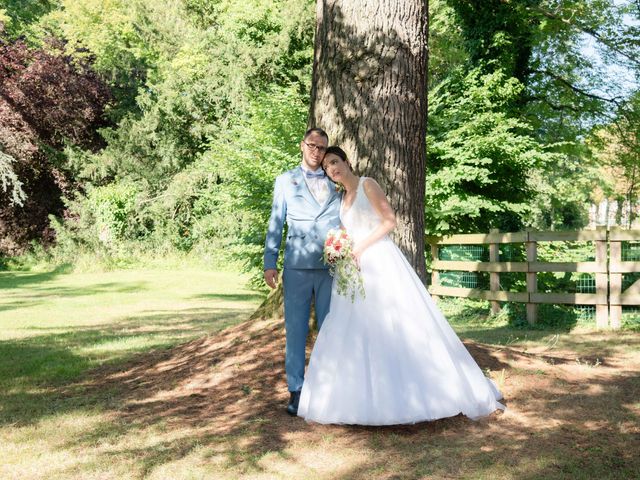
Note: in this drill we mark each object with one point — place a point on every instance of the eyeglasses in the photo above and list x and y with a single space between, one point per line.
313 146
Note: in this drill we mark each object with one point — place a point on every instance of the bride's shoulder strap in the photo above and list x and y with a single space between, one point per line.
367 182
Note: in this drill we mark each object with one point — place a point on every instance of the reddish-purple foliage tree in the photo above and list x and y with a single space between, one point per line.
47 101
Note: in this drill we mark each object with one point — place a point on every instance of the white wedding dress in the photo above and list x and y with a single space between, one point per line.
391 357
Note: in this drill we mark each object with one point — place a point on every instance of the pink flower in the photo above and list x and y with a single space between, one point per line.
338 255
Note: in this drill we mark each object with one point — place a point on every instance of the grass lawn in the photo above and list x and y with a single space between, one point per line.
157 374
55 327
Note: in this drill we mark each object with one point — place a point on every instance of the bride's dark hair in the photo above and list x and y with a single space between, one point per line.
336 150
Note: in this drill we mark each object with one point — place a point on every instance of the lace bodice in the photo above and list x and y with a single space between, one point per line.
360 218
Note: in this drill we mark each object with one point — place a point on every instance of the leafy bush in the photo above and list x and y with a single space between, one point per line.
47 101
480 157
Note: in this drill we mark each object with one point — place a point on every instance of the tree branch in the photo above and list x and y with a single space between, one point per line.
554 106
581 91
590 31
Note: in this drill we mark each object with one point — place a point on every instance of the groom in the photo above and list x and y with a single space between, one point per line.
307 201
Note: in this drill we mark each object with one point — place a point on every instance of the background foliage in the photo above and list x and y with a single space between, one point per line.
170 120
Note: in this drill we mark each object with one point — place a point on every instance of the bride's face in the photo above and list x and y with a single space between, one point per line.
335 167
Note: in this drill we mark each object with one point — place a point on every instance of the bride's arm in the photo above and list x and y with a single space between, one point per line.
379 201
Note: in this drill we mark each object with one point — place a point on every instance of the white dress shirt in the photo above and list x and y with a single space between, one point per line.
318 186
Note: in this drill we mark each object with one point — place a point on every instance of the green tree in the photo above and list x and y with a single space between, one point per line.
480 158
563 92
201 143
617 148
19 18
11 184
47 102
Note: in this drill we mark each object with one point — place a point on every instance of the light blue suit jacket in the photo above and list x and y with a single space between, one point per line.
308 222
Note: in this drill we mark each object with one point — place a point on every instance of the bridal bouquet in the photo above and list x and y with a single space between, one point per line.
342 266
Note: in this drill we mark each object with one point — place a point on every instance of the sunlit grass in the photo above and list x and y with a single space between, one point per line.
55 322
57 327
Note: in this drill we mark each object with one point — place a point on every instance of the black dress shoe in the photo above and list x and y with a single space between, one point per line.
294 401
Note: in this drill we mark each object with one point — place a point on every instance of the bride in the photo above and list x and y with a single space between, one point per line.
389 357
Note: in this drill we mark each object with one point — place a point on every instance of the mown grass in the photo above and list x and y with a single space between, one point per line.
90 388
55 326
558 327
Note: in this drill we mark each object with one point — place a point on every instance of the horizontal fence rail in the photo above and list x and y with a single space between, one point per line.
608 269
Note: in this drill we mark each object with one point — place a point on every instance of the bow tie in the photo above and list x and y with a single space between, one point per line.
317 174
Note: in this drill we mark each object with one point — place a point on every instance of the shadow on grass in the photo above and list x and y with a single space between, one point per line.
18 279
223 396
34 371
26 289
471 320
231 384
580 434
504 335
247 297
227 393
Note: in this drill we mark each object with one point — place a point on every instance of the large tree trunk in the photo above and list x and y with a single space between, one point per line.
369 94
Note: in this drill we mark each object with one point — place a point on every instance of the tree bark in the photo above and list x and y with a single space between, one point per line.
369 93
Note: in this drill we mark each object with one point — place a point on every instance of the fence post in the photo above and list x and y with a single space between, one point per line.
532 280
615 281
602 281
494 277
434 273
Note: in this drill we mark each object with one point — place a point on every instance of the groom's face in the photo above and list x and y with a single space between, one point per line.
313 148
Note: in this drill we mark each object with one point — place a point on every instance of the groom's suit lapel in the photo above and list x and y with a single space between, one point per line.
302 188
333 193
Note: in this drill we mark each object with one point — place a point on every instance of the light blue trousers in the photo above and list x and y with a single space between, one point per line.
300 286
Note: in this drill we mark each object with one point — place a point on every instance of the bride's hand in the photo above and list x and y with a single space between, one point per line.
356 254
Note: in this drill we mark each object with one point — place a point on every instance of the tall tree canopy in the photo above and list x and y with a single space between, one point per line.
552 93
208 100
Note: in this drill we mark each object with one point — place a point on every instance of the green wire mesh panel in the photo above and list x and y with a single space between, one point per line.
630 251
566 282
585 313
463 253
452 278
459 279
586 283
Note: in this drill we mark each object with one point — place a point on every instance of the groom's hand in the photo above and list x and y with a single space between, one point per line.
271 277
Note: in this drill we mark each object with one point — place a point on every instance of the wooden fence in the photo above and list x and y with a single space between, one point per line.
608 269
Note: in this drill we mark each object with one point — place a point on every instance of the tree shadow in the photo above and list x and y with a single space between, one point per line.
29 378
233 297
18 279
28 289
38 295
591 431
228 390
35 371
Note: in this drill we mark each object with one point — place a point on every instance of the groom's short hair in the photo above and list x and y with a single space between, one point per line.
317 130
